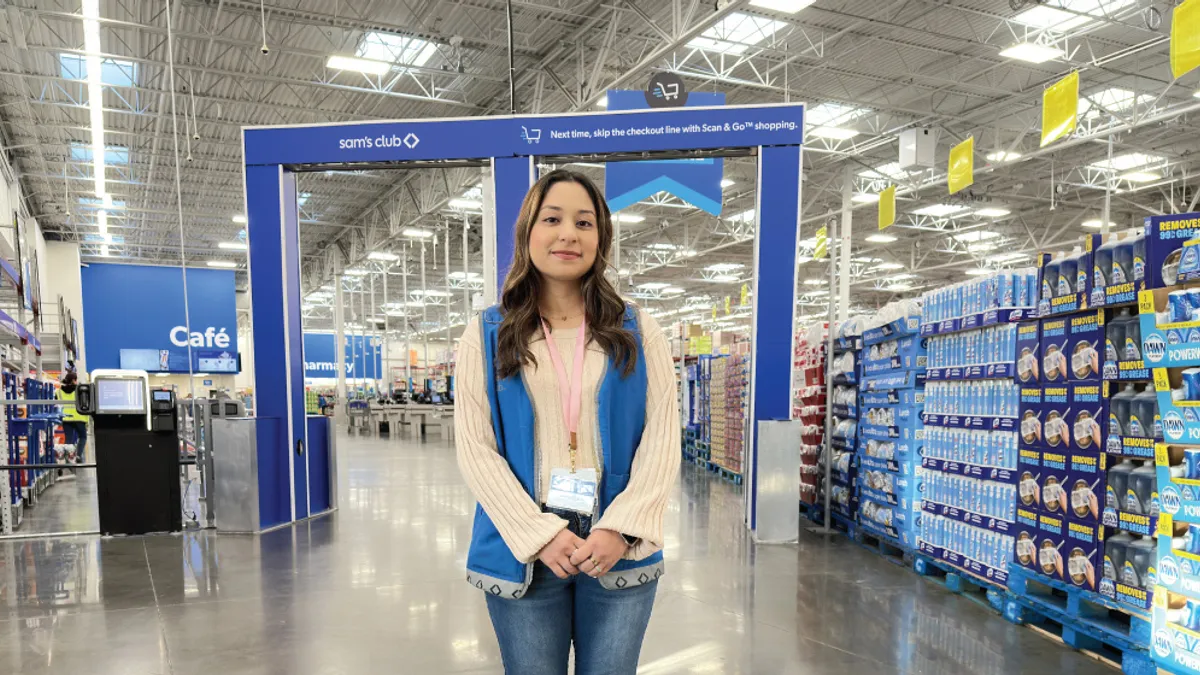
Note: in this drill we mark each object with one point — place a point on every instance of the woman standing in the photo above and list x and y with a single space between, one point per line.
74 424
568 435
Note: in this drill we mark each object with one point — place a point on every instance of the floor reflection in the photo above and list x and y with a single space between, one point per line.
378 588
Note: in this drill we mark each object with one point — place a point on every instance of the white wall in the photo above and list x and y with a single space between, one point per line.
62 277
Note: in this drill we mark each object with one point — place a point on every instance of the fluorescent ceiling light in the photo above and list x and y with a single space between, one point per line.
631 218
977 271
672 290
1031 52
351 63
992 212
939 210
95 87
1197 94
232 245
901 277
1007 257
653 286
897 288
464 275
820 291
981 248
466 204
865 198
724 267
433 293
814 282
881 238
725 278
977 235
688 253
603 102
382 256
662 246
889 266
239 219
1096 223
736 33
104 250
1140 176
399 49
889 170
801 259
1070 14
832 114
1114 99
416 233
725 182
785 6
834 133
357 272
1003 156
302 198
1129 160
221 263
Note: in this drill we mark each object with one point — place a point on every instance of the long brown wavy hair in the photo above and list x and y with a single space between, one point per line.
603 307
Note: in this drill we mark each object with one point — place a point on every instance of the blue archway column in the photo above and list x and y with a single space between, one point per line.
512 178
772 335
282 439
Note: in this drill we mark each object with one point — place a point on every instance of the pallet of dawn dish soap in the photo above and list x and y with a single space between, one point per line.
1081 619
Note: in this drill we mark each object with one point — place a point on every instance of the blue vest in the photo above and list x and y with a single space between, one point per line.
621 416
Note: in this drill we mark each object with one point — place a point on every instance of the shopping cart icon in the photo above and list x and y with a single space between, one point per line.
531 136
667 91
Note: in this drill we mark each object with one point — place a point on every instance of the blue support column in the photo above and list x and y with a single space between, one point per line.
512 178
273 235
775 247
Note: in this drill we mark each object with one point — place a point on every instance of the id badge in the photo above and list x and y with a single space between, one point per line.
572 491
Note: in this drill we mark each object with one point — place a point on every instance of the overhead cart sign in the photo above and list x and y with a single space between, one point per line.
134 317
588 133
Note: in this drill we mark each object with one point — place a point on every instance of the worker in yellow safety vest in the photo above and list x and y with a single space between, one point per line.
74 424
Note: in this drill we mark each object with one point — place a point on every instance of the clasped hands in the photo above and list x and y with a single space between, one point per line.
567 554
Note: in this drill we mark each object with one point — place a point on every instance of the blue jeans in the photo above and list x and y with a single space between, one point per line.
607 627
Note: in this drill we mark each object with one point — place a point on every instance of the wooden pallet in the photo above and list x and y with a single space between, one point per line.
1082 620
961 582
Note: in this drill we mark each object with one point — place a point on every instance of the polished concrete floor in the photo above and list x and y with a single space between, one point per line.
378 588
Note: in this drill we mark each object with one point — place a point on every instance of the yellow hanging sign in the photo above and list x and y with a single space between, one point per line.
714 313
1060 106
821 249
745 295
1185 38
728 311
962 165
887 207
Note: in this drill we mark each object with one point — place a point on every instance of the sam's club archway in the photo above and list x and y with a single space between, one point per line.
273 155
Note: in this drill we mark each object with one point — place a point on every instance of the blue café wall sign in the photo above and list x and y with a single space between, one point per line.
364 356
696 181
139 309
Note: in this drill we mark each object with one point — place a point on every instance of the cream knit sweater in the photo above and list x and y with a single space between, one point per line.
637 511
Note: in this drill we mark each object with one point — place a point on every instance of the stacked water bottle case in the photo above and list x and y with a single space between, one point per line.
846 443
971 404
891 400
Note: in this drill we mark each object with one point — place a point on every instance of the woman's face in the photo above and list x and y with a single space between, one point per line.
564 238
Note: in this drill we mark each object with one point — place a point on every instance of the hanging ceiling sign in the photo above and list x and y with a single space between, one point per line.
696 181
666 90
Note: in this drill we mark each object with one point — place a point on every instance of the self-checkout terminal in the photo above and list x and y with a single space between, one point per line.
137 452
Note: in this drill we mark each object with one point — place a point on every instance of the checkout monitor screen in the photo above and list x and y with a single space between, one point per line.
120 396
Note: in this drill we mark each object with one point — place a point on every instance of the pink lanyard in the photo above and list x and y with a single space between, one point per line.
571 390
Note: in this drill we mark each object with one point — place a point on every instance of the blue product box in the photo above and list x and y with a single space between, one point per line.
1086 485
1174 647
1028 537
1029 413
1178 496
1178 569
1055 411
1054 484
906 353
1029 337
1087 417
1072 348
1029 481
906 325
893 397
1173 249
1180 419
1167 342
1072 552
1055 355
